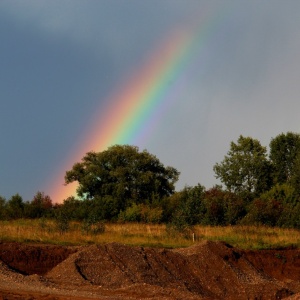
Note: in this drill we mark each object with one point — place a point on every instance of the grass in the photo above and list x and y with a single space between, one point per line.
153 235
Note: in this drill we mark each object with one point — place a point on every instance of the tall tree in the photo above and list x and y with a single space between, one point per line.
245 169
123 174
284 150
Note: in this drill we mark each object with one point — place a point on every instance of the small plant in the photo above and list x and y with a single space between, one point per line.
98 227
93 226
280 256
177 228
42 224
141 213
62 222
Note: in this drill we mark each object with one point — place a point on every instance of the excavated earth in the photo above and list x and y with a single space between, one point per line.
209 270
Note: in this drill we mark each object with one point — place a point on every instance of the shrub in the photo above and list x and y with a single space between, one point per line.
179 227
141 213
62 222
190 206
281 192
93 226
264 212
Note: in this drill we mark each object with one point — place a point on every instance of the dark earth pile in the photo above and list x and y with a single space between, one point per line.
210 270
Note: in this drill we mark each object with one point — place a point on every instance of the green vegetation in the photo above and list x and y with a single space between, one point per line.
245 170
123 185
124 174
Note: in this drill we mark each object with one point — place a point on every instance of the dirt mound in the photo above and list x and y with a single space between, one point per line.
280 264
210 270
33 259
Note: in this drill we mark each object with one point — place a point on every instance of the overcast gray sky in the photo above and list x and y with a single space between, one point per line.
61 59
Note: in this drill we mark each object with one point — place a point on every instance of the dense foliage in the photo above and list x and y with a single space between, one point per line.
125 185
245 170
122 175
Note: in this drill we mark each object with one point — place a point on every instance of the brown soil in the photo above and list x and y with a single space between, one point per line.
210 270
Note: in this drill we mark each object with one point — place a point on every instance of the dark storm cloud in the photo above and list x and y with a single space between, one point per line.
61 59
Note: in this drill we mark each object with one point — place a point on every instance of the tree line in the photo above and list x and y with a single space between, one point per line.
123 184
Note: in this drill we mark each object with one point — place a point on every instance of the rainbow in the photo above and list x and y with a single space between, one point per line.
134 107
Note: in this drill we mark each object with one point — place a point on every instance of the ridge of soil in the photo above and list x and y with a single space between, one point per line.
208 270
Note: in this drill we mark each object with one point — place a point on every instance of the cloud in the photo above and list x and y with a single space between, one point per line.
63 58
98 22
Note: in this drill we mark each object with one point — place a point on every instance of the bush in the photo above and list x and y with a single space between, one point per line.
234 208
189 209
15 207
141 213
281 192
222 207
62 222
93 226
290 216
3 212
40 206
179 227
264 212
131 214
214 207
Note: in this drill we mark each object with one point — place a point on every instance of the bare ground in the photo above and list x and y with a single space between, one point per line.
209 270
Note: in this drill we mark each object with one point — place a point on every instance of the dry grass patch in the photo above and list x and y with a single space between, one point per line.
252 237
154 235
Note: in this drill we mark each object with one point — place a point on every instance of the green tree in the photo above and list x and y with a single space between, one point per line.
40 206
2 208
284 150
124 175
284 193
214 207
75 209
295 177
190 206
245 169
290 216
280 206
106 207
222 207
264 212
15 207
